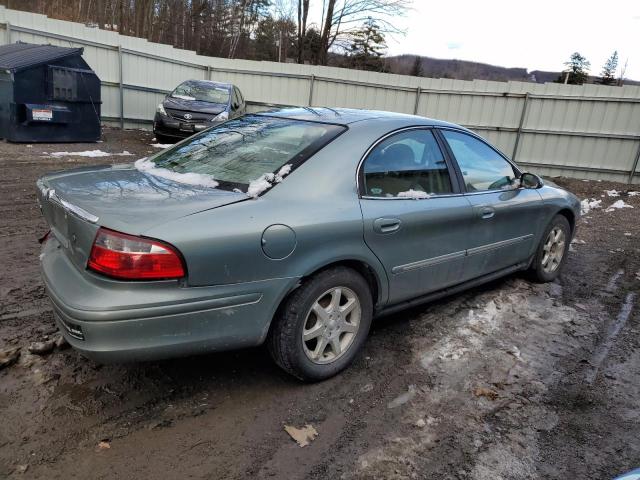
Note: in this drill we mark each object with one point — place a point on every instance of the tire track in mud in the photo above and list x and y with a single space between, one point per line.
488 376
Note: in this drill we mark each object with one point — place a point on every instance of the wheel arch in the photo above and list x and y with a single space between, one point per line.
570 216
372 277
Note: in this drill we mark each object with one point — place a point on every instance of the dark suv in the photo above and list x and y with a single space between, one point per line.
194 106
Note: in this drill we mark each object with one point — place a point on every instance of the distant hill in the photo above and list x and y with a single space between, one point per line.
466 70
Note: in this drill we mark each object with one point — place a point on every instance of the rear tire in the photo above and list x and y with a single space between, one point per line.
322 326
552 251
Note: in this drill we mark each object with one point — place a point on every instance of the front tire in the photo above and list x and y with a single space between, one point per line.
552 251
323 325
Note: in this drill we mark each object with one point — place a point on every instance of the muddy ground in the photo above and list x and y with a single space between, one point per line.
510 381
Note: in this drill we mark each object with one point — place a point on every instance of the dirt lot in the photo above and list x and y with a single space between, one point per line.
510 381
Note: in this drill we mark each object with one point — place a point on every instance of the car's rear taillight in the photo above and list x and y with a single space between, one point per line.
128 257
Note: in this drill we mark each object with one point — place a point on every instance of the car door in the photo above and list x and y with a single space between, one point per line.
505 216
415 219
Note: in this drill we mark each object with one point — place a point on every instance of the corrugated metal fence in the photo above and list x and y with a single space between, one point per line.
588 131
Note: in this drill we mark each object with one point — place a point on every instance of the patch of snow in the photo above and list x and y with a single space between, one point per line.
90 153
259 185
283 172
267 180
587 205
197 179
618 204
579 242
403 397
161 145
627 234
633 194
184 97
415 194
612 193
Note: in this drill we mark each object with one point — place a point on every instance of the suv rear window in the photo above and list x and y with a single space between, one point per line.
238 152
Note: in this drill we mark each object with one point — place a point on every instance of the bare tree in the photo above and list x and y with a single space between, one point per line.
342 18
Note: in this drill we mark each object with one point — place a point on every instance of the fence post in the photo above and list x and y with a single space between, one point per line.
209 72
313 78
417 104
8 33
519 132
634 167
121 87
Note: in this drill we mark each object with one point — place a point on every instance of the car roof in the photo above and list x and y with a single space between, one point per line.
346 116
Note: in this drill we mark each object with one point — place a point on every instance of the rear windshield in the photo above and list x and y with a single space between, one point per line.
201 91
240 151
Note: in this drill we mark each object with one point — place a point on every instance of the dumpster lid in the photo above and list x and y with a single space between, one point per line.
18 56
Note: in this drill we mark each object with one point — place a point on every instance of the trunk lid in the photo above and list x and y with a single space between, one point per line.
77 202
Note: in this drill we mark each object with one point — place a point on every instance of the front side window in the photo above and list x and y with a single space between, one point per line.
202 91
482 167
240 151
408 164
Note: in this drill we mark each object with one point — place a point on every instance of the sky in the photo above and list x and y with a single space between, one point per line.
538 35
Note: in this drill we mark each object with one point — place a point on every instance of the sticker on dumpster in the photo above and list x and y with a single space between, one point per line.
42 114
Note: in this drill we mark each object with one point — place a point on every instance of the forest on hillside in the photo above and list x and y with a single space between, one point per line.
343 33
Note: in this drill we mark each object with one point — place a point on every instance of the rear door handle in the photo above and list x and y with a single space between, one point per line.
486 212
386 225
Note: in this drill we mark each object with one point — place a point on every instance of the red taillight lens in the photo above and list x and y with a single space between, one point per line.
128 257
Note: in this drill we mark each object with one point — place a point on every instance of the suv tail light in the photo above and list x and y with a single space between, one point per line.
128 257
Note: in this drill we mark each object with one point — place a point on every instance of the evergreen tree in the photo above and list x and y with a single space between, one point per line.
367 47
609 69
578 69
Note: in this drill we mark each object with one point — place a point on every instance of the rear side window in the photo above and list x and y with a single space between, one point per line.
407 164
482 167
239 151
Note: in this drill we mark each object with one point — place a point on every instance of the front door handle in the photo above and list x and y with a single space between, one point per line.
386 225
486 212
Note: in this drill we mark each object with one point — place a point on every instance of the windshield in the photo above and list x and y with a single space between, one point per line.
241 151
202 91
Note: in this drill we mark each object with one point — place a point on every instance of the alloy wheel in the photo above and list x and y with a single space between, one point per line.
553 250
331 325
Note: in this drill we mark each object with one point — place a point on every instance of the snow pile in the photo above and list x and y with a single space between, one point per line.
612 193
267 180
90 153
197 179
587 205
617 205
161 145
415 194
633 194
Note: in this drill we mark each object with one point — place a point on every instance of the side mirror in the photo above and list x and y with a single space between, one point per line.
530 180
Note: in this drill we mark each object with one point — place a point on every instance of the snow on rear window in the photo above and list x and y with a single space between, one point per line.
197 179
240 152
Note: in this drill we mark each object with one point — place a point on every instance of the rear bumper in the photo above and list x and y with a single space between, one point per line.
169 127
111 321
